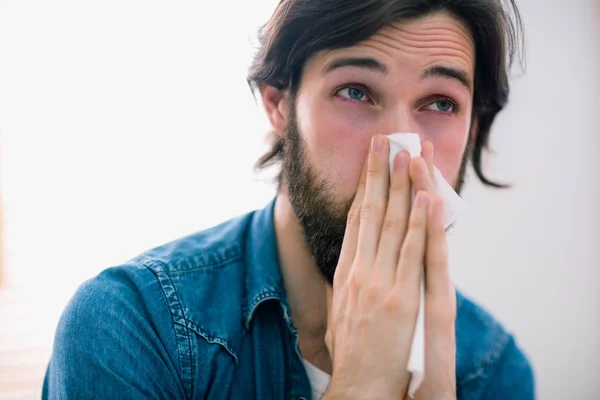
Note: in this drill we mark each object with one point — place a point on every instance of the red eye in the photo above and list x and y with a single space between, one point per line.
353 93
442 106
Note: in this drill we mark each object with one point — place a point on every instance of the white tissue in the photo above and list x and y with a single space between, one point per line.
453 207
411 143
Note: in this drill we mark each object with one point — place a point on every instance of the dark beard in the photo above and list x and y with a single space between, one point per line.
323 218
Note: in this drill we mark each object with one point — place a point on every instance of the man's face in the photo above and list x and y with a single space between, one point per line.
413 77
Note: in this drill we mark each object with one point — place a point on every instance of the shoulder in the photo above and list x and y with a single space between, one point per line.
202 279
114 322
489 360
126 293
149 313
203 251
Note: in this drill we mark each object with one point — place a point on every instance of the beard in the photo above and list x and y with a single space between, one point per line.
321 214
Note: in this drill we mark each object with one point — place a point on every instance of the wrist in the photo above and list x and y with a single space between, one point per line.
351 392
338 395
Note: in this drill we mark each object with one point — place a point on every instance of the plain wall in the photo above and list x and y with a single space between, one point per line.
126 124
531 254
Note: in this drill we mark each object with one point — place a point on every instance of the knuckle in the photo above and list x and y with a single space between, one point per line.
401 305
444 315
353 283
437 263
373 170
369 209
417 222
365 211
391 224
392 305
372 292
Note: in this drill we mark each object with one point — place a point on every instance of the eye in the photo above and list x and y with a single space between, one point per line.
353 93
444 106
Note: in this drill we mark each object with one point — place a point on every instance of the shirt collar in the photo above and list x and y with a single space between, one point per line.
263 278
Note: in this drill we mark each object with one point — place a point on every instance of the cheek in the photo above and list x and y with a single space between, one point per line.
449 141
338 141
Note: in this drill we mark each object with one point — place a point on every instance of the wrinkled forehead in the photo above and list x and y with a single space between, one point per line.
438 38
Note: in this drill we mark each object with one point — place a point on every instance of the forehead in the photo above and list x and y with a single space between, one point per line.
437 39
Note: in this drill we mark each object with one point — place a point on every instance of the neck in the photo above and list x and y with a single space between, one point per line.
306 289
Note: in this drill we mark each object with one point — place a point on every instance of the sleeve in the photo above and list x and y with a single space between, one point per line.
512 376
115 339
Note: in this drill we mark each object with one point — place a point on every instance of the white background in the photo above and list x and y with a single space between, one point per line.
126 124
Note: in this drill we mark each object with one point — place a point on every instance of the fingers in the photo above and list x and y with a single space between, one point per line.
427 154
437 277
412 253
421 169
440 359
348 251
329 333
375 217
386 233
440 313
439 289
375 201
395 222
419 175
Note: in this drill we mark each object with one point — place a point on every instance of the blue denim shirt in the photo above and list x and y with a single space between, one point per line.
207 317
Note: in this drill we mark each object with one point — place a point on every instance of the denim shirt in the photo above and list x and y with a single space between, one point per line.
207 317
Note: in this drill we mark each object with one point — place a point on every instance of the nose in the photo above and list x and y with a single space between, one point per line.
400 120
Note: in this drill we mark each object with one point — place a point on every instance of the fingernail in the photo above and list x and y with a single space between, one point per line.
422 199
400 161
376 144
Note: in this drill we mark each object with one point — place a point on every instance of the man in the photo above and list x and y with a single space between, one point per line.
317 294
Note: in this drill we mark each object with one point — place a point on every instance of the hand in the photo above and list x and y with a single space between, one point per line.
372 308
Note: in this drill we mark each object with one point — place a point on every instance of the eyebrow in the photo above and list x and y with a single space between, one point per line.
368 63
364 63
448 73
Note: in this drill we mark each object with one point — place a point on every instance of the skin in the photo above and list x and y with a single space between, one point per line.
362 326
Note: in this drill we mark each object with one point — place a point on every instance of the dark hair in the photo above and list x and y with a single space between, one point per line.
299 29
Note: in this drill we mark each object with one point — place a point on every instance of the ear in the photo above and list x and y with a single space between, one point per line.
276 103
